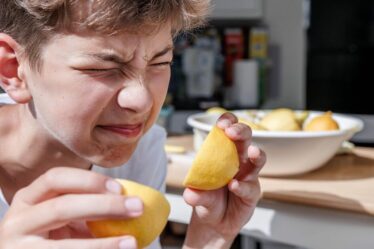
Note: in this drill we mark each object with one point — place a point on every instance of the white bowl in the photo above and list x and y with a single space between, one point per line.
288 152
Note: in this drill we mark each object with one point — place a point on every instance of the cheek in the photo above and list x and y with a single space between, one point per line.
159 85
159 88
69 109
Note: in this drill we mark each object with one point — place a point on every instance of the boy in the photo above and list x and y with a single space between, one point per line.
88 79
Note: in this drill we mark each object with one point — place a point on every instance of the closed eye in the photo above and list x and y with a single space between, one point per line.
169 63
98 69
104 72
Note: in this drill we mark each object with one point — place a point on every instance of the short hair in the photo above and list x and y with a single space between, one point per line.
33 22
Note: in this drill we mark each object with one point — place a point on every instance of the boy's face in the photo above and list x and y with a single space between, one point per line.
98 94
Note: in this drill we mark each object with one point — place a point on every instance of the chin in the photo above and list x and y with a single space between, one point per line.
114 159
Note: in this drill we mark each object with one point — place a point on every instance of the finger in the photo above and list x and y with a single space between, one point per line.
256 161
241 135
205 204
195 198
257 158
256 155
57 212
226 119
126 242
63 180
249 191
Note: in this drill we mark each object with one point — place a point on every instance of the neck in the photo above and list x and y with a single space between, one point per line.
27 150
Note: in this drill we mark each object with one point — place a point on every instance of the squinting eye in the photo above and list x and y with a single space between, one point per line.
96 70
104 72
100 71
163 64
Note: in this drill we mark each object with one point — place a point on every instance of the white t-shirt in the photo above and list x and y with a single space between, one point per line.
147 165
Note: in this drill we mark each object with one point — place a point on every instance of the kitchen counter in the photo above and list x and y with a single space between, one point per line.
332 207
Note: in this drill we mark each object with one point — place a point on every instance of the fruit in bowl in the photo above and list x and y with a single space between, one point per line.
280 120
289 152
324 122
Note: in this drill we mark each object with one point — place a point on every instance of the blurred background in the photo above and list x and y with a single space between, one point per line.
264 54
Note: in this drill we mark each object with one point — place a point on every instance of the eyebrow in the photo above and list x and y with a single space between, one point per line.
163 52
111 56
107 56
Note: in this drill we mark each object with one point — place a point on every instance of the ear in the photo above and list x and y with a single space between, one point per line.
10 70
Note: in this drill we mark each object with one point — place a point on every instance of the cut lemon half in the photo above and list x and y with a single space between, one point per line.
215 164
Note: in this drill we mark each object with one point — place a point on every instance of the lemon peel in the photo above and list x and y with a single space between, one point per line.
145 228
215 164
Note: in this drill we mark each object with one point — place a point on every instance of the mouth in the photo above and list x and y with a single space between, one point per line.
129 131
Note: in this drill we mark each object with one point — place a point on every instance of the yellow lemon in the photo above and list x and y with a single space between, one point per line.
216 162
218 110
145 228
174 149
301 117
251 124
323 122
282 119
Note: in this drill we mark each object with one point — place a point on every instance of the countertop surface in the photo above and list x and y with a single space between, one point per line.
346 182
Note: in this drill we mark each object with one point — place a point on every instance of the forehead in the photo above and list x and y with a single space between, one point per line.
125 43
112 15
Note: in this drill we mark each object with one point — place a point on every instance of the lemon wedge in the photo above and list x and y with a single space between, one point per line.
215 164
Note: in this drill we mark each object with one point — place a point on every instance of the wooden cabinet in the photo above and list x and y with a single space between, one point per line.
237 9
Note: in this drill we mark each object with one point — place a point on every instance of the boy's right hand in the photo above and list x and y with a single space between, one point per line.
51 212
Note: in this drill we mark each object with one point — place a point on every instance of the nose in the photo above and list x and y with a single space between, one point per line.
135 97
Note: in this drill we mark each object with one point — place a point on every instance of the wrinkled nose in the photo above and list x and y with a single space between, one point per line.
135 97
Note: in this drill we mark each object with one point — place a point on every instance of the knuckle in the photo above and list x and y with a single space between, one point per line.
49 177
94 181
256 190
229 115
8 227
244 129
114 205
57 210
18 195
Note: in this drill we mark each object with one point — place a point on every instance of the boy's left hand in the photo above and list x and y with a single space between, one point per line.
223 212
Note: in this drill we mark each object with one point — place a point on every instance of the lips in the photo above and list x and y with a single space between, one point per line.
130 130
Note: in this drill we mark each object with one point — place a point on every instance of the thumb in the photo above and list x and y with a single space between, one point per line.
195 197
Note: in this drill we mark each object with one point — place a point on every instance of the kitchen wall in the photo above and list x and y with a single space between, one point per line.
285 20
287 39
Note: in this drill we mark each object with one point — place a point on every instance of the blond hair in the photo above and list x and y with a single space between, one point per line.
33 22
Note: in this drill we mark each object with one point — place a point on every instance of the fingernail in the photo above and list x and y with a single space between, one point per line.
113 186
224 123
233 131
234 184
134 206
127 243
254 151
